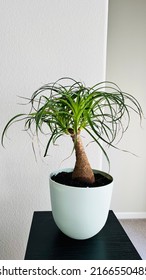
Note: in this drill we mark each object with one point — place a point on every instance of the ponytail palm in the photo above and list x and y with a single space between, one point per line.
68 107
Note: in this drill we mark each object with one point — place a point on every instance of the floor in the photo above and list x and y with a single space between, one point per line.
136 230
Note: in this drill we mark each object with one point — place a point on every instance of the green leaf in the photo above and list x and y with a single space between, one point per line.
68 106
10 122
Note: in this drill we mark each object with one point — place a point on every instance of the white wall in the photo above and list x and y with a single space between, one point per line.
126 65
41 41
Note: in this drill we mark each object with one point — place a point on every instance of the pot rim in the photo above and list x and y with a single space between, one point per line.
69 169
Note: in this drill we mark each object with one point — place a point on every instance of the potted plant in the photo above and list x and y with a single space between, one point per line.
80 196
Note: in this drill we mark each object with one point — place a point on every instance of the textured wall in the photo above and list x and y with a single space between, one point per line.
40 42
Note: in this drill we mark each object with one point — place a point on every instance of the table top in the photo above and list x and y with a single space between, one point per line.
47 242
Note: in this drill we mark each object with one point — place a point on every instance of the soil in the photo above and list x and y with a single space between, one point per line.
66 179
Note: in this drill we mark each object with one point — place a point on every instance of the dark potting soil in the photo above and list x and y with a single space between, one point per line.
66 179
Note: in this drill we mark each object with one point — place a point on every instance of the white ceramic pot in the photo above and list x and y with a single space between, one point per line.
80 213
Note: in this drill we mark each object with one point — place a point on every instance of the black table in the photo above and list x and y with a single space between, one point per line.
47 242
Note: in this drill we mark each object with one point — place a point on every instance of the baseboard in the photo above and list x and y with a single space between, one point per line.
130 215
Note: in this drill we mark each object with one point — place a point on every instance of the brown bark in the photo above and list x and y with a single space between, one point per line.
82 170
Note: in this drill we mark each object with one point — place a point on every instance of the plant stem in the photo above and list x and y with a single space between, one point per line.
82 170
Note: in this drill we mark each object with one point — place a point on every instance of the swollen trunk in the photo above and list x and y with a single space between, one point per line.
82 170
